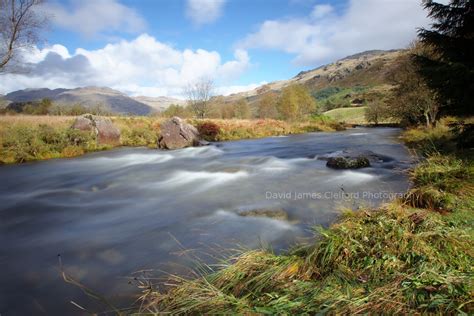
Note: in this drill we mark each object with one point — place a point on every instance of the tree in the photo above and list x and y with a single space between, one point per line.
20 24
267 106
295 103
412 100
242 109
227 111
376 111
199 95
450 71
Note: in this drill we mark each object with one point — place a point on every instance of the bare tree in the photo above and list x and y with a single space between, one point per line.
199 94
20 23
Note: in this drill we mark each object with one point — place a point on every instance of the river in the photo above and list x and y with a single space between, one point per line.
109 214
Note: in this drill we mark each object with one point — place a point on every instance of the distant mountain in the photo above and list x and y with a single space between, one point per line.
113 100
159 103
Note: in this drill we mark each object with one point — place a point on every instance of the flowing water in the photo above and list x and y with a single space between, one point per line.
112 213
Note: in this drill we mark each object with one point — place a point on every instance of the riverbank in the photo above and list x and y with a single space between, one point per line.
410 256
30 137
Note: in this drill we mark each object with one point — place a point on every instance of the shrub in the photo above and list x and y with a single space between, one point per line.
209 131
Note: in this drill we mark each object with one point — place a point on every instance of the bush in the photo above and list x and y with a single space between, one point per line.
209 131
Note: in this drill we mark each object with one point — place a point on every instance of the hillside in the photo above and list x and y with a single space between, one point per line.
113 100
346 82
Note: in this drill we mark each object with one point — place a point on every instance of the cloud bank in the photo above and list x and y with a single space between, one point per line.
142 66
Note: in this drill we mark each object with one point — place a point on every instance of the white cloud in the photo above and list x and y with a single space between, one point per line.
91 17
324 35
143 66
204 11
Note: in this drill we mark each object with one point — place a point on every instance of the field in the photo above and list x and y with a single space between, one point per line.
31 137
350 115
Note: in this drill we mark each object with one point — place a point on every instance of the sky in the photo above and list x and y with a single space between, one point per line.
157 47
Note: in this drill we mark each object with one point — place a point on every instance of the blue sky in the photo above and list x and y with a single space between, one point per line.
156 47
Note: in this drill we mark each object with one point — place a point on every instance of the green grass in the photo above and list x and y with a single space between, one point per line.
412 256
350 115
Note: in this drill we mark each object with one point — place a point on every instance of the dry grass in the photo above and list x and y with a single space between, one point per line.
240 129
33 137
35 120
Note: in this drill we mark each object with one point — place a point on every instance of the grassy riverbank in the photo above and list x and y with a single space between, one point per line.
411 256
31 137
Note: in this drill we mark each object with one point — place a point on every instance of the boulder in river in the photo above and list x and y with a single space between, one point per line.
175 133
348 162
105 131
353 158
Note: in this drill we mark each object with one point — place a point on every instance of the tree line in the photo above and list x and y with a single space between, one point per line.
294 102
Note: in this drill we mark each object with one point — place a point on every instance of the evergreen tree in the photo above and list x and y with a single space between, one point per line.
451 71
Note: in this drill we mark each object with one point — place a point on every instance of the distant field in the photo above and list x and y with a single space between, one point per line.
352 115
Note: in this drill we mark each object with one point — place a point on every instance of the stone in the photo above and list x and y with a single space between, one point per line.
355 153
348 162
105 131
175 134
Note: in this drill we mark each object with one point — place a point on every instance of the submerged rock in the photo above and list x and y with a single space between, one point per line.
105 131
350 159
348 162
175 133
279 214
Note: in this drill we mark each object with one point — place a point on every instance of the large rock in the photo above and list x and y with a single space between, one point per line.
105 131
355 153
175 133
352 159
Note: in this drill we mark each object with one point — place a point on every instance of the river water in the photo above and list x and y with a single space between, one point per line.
112 213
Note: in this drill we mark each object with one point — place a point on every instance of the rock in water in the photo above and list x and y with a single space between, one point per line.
105 131
348 162
175 133
279 214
